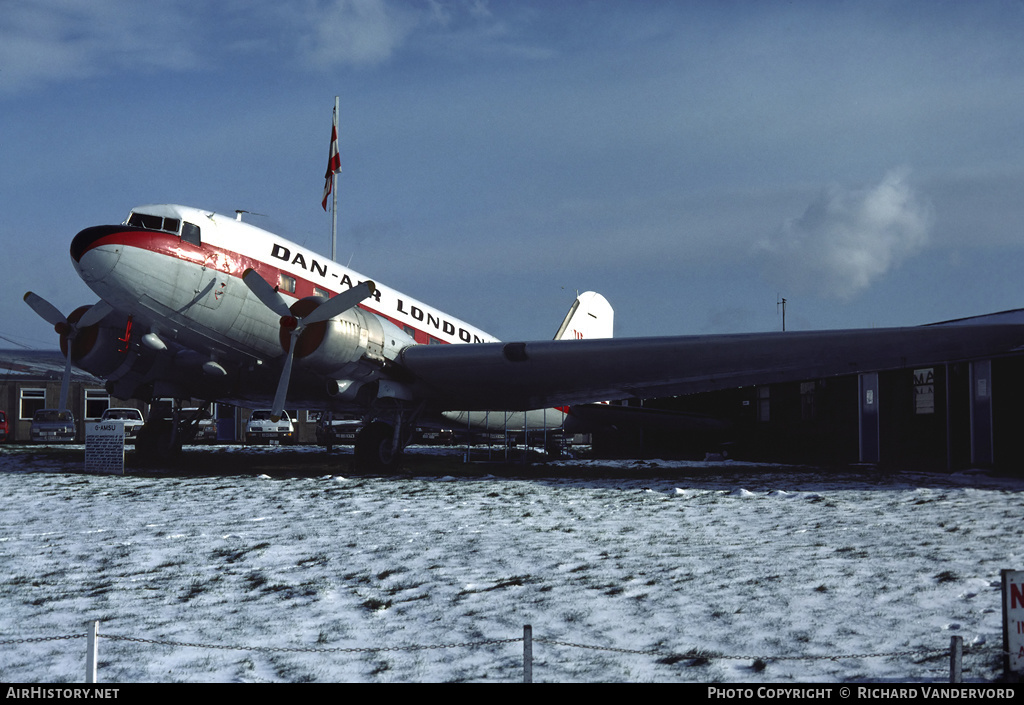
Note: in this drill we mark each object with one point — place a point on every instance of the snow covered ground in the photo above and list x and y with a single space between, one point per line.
718 567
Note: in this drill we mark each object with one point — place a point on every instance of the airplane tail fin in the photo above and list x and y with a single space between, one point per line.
590 317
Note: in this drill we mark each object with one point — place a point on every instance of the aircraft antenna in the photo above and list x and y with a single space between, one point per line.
239 211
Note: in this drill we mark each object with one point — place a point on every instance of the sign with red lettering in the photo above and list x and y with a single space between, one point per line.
1013 620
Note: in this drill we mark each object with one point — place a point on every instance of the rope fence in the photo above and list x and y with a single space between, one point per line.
956 650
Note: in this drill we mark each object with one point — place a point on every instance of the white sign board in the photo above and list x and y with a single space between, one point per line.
104 447
1013 619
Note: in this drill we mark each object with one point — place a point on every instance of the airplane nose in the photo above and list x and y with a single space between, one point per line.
93 257
90 238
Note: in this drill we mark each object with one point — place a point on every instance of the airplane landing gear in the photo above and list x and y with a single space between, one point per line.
377 447
158 441
161 437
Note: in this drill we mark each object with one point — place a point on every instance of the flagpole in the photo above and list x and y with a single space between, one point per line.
334 203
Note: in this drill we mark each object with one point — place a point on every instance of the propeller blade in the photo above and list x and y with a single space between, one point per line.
340 303
65 381
265 293
47 311
282 384
94 315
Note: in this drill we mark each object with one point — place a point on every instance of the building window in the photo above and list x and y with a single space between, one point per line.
32 400
96 402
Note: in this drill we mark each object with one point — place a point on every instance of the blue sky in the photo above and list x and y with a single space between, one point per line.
691 161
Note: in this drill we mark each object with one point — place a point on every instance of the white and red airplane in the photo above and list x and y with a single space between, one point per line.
198 305
194 304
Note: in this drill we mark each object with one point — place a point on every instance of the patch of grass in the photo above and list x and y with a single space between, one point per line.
233 555
195 589
514 581
375 605
696 657
255 580
318 559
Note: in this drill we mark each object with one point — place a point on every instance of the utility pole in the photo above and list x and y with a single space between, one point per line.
781 302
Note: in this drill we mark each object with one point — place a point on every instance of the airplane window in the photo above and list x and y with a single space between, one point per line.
155 222
190 234
149 222
317 291
286 283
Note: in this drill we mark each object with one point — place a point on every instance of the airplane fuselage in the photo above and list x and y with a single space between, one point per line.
176 272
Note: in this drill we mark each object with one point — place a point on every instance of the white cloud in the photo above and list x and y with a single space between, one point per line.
355 31
846 239
59 40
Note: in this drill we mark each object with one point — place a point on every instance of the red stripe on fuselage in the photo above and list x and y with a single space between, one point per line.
223 260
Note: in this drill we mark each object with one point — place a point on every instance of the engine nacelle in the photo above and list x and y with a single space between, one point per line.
101 348
352 346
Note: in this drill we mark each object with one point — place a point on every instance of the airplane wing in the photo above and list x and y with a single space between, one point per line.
520 376
40 364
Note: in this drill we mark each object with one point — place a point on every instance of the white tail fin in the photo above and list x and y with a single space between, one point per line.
591 316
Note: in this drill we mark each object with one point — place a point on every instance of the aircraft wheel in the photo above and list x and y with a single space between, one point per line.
156 443
373 447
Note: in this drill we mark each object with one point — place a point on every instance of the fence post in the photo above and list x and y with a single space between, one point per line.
527 653
92 651
956 659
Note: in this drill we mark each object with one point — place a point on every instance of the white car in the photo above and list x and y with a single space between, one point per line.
262 429
132 418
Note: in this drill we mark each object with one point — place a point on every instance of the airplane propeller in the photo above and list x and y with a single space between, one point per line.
273 300
68 331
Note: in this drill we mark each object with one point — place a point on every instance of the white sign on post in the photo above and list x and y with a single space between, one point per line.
1013 620
104 447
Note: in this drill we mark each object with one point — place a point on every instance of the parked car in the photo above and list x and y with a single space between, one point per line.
4 430
53 426
207 430
132 418
262 429
435 436
341 431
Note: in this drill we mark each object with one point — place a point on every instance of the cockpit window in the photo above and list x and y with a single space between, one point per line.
149 222
190 234
154 222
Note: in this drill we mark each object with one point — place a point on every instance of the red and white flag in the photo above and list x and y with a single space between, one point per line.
334 162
